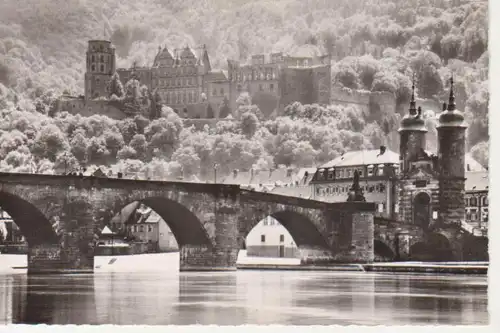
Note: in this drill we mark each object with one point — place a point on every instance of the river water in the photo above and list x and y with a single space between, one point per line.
163 296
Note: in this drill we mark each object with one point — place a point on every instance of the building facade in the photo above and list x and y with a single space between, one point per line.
270 239
149 227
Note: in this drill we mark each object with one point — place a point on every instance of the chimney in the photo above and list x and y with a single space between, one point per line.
382 150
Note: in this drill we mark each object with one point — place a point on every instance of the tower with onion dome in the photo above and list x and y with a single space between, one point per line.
412 135
451 151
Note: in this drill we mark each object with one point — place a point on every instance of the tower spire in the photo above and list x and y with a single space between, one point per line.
451 101
413 106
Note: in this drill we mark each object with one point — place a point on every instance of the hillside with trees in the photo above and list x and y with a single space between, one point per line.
375 46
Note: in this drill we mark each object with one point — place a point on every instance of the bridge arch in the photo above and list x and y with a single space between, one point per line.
300 239
34 225
383 252
436 247
184 224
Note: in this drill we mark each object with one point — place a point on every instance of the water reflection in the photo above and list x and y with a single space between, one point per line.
47 300
234 298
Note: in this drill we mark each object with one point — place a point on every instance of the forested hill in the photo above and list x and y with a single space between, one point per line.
376 44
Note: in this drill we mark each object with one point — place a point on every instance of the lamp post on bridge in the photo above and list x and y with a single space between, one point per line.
215 172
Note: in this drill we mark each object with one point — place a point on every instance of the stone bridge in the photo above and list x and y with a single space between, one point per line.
61 218
398 241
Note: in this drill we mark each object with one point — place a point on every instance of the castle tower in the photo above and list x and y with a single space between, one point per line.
451 150
412 135
100 67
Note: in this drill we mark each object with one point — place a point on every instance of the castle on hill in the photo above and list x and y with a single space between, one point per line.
186 82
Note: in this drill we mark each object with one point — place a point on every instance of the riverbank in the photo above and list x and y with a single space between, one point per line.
10 263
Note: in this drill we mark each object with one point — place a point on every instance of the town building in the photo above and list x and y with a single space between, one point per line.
379 178
149 227
139 223
270 239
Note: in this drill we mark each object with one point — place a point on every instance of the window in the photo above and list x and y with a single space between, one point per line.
261 87
93 58
485 201
102 58
150 228
262 238
102 68
214 92
349 173
381 188
473 202
467 202
141 228
370 170
98 81
484 216
93 68
380 171
222 91
361 172
282 238
473 213
271 87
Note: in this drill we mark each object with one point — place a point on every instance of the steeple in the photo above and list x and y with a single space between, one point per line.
451 101
413 104
451 117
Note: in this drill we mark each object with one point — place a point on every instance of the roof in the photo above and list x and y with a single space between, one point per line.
367 157
293 191
363 157
107 231
266 177
215 76
187 52
477 181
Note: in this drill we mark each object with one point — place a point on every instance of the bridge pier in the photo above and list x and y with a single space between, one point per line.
354 241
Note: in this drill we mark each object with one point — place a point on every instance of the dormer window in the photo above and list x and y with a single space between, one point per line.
370 170
380 170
